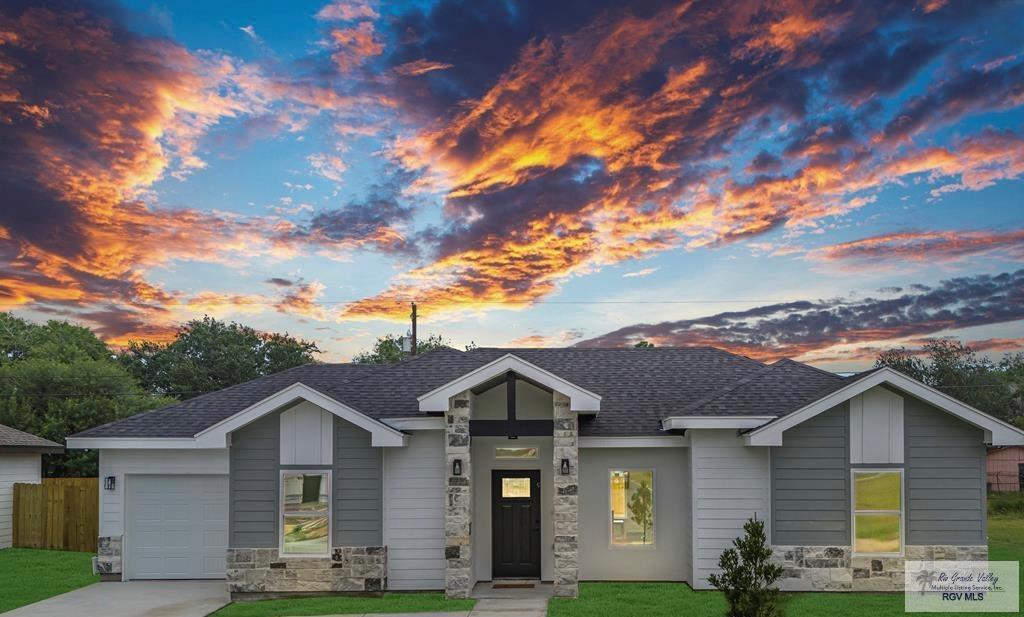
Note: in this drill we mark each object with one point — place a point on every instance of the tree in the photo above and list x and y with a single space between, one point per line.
641 507
57 379
208 355
644 345
957 370
388 349
748 575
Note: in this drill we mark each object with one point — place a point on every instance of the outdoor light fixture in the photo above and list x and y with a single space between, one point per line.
457 467
565 466
109 483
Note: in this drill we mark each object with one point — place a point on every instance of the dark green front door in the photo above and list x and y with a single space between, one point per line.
515 524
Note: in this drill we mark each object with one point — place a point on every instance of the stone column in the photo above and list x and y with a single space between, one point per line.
458 514
566 445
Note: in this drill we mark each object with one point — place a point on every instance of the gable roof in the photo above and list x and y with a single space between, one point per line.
13 439
997 432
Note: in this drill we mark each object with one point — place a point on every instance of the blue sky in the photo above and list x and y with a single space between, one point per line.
814 180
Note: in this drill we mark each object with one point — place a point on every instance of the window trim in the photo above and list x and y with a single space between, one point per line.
654 508
281 514
902 513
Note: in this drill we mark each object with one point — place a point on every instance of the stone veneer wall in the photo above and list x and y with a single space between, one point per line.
835 568
458 513
261 572
567 504
108 557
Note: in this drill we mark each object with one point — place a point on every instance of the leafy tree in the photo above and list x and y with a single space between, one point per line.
956 369
388 349
57 379
748 575
641 507
644 345
208 354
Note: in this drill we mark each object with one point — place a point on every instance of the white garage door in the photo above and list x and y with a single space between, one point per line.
177 526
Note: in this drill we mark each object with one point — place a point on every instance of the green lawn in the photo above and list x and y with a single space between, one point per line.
30 575
1006 543
390 603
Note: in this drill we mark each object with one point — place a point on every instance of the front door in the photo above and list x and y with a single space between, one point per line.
515 524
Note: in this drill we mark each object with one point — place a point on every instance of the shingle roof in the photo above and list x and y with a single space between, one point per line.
639 387
13 438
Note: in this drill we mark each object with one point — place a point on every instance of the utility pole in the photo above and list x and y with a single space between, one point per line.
413 316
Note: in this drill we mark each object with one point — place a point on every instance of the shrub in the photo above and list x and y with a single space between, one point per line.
1006 504
748 575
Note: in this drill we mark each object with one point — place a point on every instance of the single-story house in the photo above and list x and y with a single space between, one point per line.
1006 468
553 464
20 463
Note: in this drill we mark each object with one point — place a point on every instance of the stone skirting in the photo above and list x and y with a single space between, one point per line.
262 572
108 557
566 499
458 513
836 568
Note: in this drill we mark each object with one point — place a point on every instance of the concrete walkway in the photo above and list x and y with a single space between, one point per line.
134 599
530 602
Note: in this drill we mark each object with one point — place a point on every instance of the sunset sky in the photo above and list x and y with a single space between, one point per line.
812 180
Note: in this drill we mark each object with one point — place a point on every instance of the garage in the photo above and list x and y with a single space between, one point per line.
177 526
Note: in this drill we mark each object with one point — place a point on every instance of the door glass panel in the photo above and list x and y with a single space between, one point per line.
515 487
501 452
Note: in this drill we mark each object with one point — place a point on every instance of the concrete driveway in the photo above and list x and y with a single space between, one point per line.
134 599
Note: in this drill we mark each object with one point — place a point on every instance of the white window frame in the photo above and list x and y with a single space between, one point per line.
281 513
902 511
654 509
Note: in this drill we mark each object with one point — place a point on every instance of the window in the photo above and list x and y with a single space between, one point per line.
515 487
632 507
502 452
305 513
878 511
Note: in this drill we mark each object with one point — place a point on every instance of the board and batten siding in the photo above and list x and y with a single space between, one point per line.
414 485
14 468
945 478
255 475
730 485
811 482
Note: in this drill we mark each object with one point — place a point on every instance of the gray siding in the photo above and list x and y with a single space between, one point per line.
945 462
254 468
811 482
357 487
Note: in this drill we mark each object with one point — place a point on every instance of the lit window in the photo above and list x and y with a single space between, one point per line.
500 452
305 513
632 507
877 512
515 487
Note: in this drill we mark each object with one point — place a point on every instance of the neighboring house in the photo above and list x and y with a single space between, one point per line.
1006 468
558 464
20 462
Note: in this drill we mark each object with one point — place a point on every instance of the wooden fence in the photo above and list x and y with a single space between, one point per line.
60 513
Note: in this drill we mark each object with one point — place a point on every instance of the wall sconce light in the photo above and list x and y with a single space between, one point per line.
109 483
565 466
457 467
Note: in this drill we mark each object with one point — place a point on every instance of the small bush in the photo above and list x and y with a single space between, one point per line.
1006 504
748 575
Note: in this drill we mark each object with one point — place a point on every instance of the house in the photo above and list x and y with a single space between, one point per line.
555 464
20 462
1006 468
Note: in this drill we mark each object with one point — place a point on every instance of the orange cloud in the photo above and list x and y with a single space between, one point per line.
929 246
420 67
354 45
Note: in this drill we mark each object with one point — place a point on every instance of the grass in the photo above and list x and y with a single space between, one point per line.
1006 543
390 603
30 575
1009 504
